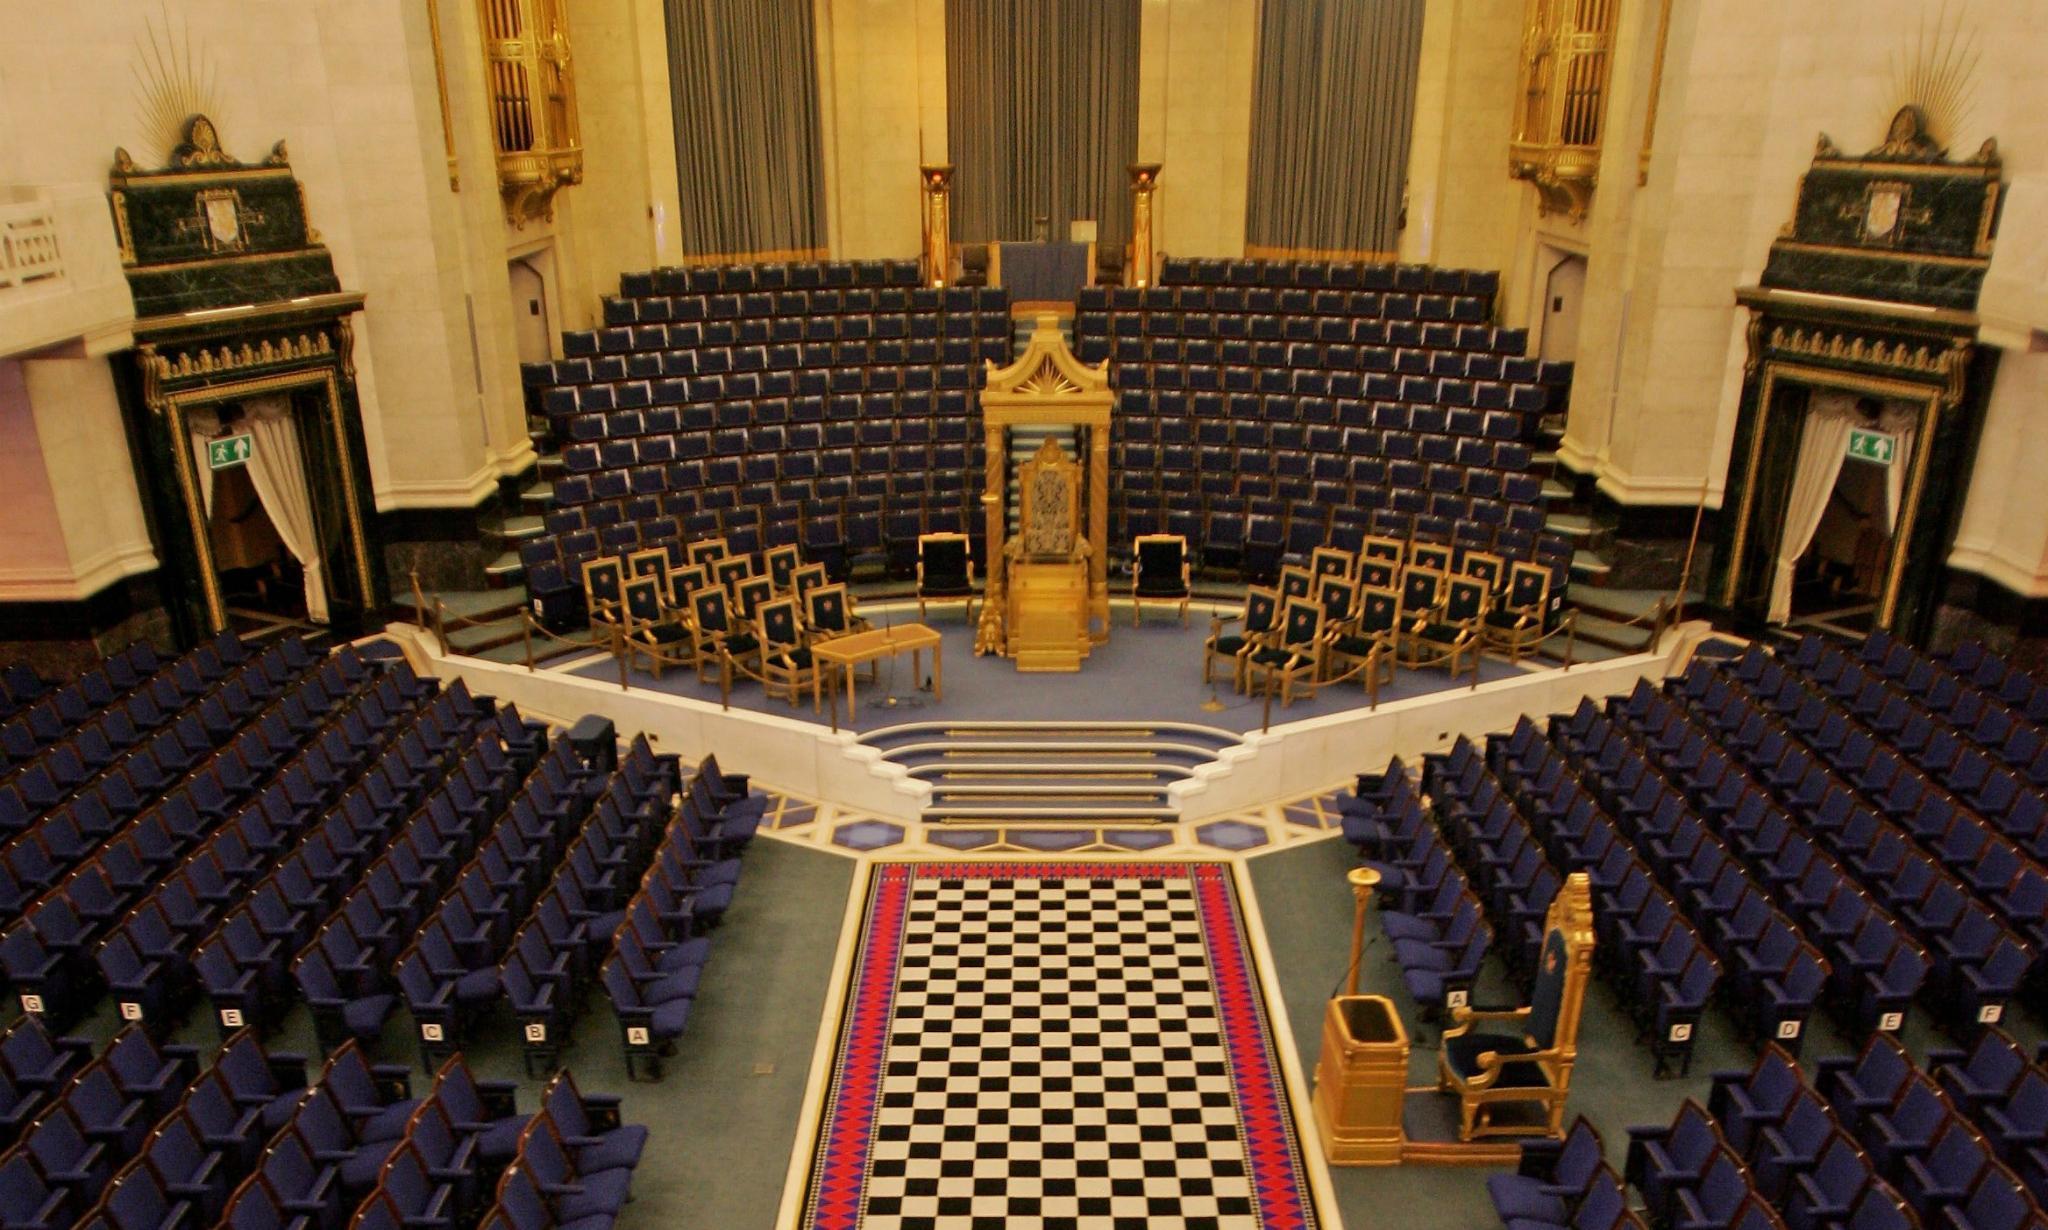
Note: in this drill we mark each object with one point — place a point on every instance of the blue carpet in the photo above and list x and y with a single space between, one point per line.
1151 673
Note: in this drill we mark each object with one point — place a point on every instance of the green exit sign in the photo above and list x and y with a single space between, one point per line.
229 451
1873 446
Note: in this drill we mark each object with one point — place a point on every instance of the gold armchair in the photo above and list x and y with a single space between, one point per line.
1525 1056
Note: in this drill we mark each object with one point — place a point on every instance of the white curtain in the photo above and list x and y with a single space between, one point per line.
1823 446
279 475
202 425
1904 424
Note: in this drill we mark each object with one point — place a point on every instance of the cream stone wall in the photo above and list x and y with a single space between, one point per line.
1196 60
349 85
882 111
1463 210
1746 87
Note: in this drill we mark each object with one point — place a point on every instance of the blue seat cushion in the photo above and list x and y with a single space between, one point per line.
667 1020
1525 1196
1462 1053
365 1017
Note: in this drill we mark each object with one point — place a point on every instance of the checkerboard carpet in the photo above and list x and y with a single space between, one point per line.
1056 1047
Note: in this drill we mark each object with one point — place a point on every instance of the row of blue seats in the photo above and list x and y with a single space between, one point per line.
1898 1107
708 305
1968 757
783 333
771 275
313 833
562 837
82 882
1439 945
1177 271
181 712
1972 664
658 954
45 714
675 383
1099 308
769 412
1177 419
1874 966
1979 961
1189 380
347 976
731 305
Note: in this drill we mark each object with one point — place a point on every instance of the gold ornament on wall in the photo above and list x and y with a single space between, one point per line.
1936 75
174 81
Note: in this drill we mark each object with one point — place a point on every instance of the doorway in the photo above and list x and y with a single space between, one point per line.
530 326
263 526
1837 583
1564 289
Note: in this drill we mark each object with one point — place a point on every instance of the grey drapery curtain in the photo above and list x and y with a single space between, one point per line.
748 154
1041 115
1333 98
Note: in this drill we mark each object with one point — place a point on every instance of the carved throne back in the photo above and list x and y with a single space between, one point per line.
1049 512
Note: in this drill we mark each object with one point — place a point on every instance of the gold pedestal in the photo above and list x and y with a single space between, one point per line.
1048 615
1361 1079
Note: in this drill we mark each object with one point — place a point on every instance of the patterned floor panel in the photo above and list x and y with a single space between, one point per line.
1042 1046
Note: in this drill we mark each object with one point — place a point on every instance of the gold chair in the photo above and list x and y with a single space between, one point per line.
828 612
782 563
785 659
1291 651
1160 574
1261 612
1296 582
730 571
1372 637
1422 594
603 590
1453 628
706 551
650 562
1332 562
1339 598
1517 623
1489 568
651 628
806 579
749 594
713 630
1525 1056
1432 555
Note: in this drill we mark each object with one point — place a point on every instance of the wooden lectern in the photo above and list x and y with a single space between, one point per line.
1048 589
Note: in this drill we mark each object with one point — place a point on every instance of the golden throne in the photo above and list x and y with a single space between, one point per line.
1525 1056
1048 589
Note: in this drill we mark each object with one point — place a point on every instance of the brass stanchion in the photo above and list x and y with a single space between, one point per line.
1363 880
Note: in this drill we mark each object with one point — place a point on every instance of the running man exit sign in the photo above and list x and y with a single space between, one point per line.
230 451
1874 446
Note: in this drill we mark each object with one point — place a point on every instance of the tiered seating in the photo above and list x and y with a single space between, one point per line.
1428 907
1268 407
20 687
1643 897
1875 967
92 882
125 748
1562 1185
769 405
1921 853
658 952
573 1166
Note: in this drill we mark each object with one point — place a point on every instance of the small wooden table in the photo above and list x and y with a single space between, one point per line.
843 653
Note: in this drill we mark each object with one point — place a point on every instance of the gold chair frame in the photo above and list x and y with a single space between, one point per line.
1570 918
